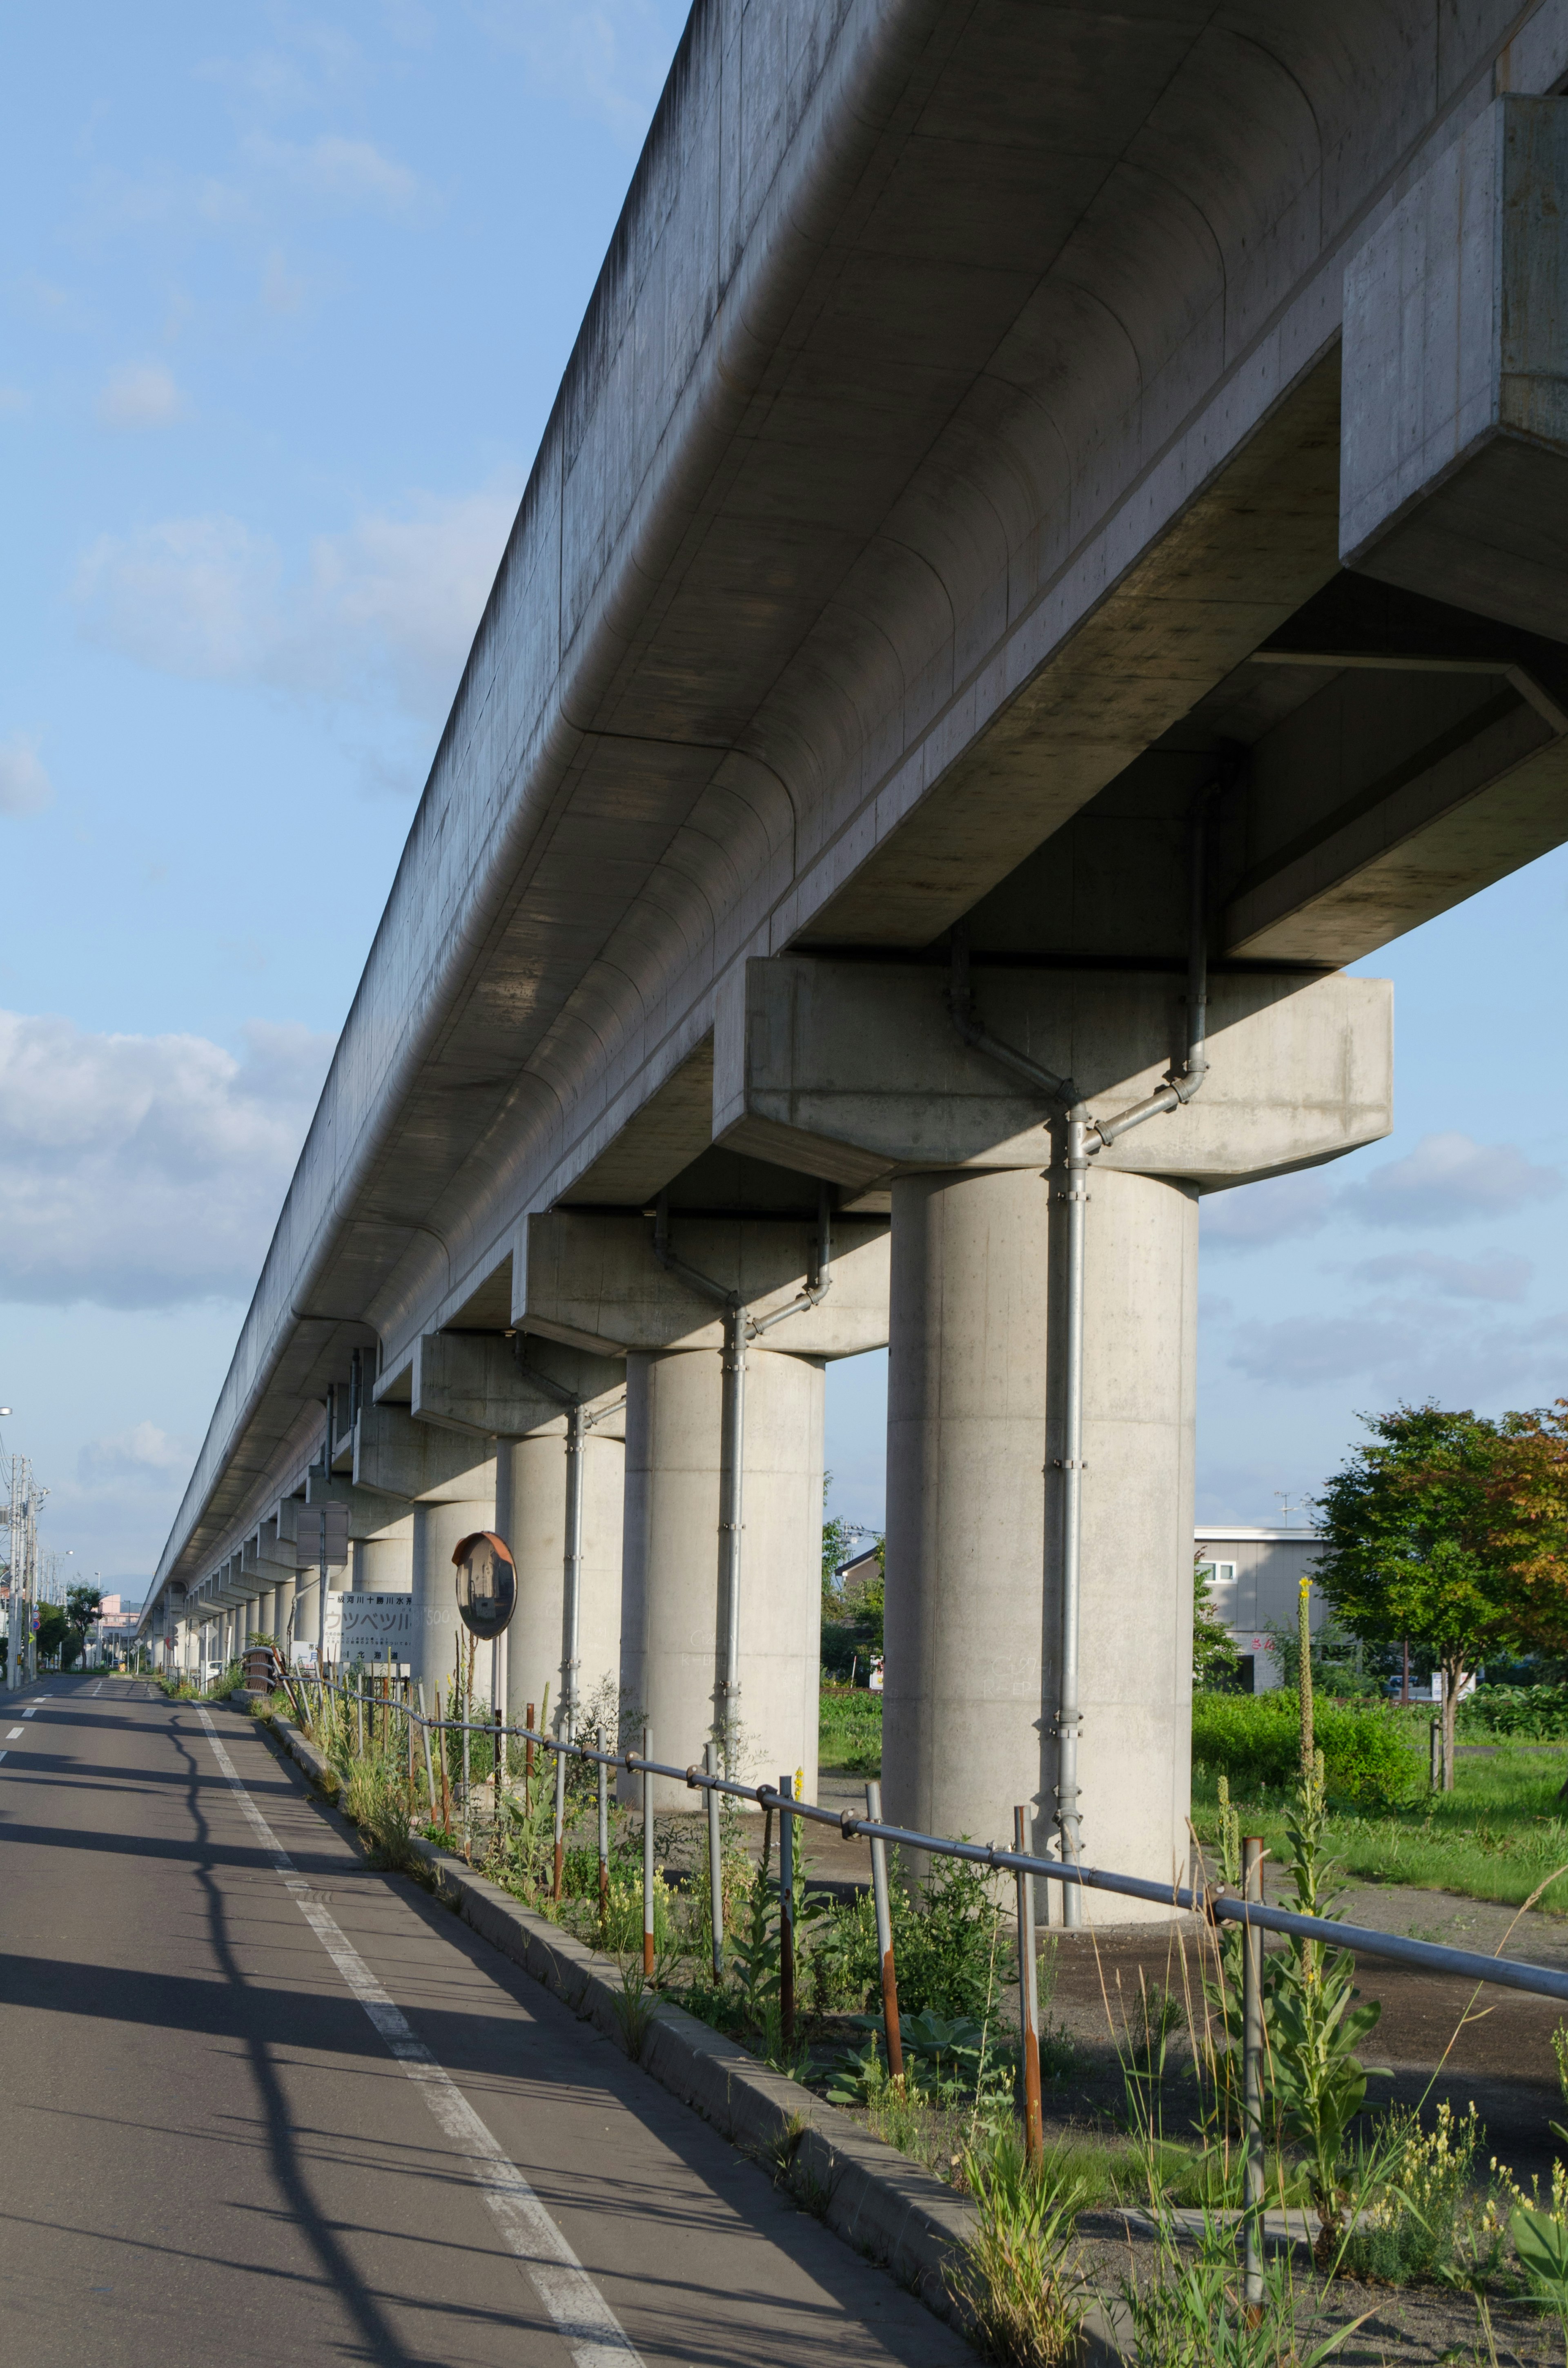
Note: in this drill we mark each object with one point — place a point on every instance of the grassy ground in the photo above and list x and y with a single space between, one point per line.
1499 1835
851 1730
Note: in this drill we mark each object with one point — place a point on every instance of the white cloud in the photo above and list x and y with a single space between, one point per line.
140 394
1253 1216
342 171
1496 1274
1411 1350
390 604
25 786
141 1457
145 1171
1449 1177
607 59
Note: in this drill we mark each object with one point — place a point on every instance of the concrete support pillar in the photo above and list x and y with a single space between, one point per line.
673 1621
384 1564
283 1613
975 1385
531 1514
267 1612
435 1626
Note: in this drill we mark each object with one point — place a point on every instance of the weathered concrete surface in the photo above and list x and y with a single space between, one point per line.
531 1514
672 1605
957 415
858 1070
1456 376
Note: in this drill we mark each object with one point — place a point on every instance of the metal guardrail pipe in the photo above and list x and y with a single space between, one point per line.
1216 1905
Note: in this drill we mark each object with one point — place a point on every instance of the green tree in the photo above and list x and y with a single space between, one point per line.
1412 1547
1214 1658
57 1640
82 1605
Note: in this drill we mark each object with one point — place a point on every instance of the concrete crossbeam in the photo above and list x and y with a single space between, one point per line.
1454 476
418 1462
504 1388
856 1070
595 1282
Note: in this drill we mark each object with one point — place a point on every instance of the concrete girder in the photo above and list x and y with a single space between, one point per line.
1455 452
416 1462
372 1512
857 1069
499 1388
594 1281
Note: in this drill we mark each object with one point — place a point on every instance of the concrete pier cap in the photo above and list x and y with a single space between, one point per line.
858 1070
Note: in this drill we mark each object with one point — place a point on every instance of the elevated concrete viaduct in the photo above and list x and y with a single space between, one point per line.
1054 515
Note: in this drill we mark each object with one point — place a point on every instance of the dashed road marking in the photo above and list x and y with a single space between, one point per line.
592 2331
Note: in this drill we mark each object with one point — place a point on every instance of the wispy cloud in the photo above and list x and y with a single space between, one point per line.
140 394
1254 1216
25 786
607 59
389 606
140 1456
1446 1179
145 1171
1494 1275
1411 1350
338 170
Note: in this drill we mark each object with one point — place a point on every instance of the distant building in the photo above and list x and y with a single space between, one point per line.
858 1574
1254 1580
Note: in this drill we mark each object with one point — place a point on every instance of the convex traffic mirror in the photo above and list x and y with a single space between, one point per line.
487 1583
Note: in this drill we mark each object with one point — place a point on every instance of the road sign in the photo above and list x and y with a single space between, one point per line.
487 1584
321 1534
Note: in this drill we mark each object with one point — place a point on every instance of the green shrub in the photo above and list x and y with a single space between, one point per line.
1534 1714
1255 1741
850 1730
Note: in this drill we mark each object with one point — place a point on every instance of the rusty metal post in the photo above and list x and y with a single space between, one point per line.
647 1857
1028 2002
787 1911
430 1772
559 1821
715 1867
890 2031
604 1829
1252 2071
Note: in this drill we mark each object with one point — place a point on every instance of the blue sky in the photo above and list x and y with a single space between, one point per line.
284 299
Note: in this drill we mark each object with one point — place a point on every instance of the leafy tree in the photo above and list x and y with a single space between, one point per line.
82 1605
1215 1661
1412 1546
57 1640
1527 1505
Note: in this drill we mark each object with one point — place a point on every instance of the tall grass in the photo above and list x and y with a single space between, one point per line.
850 1730
1498 1835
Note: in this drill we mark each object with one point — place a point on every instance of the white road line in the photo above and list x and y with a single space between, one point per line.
595 2336
27 1713
99 1687
12 1736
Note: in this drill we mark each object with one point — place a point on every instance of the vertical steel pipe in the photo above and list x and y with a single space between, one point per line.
647 1855
560 1825
1252 2071
1069 1715
1029 2000
891 2033
732 1526
430 1772
572 1571
787 1911
603 1828
715 1867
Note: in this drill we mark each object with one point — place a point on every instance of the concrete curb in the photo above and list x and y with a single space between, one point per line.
875 2198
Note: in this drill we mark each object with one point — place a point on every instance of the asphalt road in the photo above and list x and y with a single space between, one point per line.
259 2103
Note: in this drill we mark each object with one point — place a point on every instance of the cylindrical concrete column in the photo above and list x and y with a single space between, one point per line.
673 1622
283 1613
967 1359
433 1649
267 1612
383 1564
975 1387
531 1514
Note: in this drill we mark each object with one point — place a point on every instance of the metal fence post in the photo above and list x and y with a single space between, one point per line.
603 1828
430 1772
892 2034
467 1775
1435 1756
1251 2070
499 1771
1029 2004
529 1764
715 1867
560 1822
359 1712
787 1911
647 1855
